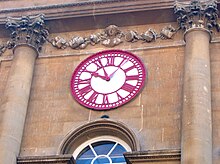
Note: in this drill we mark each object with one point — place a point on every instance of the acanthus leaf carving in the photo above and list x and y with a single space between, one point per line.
27 30
197 13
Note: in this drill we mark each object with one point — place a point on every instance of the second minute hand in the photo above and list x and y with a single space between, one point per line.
111 75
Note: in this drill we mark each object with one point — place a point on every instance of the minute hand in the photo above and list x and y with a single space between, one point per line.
111 75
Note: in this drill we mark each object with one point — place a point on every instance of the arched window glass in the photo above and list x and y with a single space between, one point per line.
102 150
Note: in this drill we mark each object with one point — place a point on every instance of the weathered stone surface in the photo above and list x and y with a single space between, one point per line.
166 156
58 159
196 138
15 101
154 115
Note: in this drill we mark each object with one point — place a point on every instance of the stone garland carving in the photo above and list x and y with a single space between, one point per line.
27 30
197 14
112 36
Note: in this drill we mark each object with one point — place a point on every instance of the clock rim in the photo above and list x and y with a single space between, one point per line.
82 63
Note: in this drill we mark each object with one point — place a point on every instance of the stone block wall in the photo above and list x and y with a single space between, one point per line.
154 115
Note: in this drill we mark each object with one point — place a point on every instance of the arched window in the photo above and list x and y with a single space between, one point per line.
99 142
102 150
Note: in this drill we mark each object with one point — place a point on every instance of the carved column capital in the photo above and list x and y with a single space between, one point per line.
27 30
197 14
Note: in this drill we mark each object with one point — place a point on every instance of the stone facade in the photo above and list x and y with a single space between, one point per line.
154 116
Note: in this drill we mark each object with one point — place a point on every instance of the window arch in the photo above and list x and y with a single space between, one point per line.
103 149
98 132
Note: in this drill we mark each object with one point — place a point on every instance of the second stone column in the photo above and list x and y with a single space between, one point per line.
197 18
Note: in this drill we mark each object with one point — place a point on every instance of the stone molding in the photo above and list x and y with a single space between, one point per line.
153 156
197 14
79 9
94 129
112 36
26 30
58 159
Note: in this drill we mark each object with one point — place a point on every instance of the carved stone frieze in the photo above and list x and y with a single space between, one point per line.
167 32
3 48
59 42
27 30
112 36
197 13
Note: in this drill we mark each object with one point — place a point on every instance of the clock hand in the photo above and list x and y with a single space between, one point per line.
111 75
106 75
102 77
100 63
121 64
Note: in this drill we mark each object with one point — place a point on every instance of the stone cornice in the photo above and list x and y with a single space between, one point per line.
153 156
58 159
85 8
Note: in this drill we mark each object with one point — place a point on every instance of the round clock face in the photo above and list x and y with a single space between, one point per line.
108 79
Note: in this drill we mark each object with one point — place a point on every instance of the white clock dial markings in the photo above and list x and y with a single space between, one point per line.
122 93
85 75
113 97
118 61
92 67
132 82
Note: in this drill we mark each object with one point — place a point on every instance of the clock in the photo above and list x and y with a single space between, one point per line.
108 79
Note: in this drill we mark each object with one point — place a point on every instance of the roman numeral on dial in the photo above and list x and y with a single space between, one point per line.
85 90
105 99
93 97
98 64
127 87
129 68
119 96
110 61
133 77
84 81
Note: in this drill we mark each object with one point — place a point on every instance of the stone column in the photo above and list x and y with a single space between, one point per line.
27 36
197 18
196 140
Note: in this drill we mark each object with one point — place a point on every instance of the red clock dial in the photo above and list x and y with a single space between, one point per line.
108 79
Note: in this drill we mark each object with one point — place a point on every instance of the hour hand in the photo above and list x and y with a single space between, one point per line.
102 77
